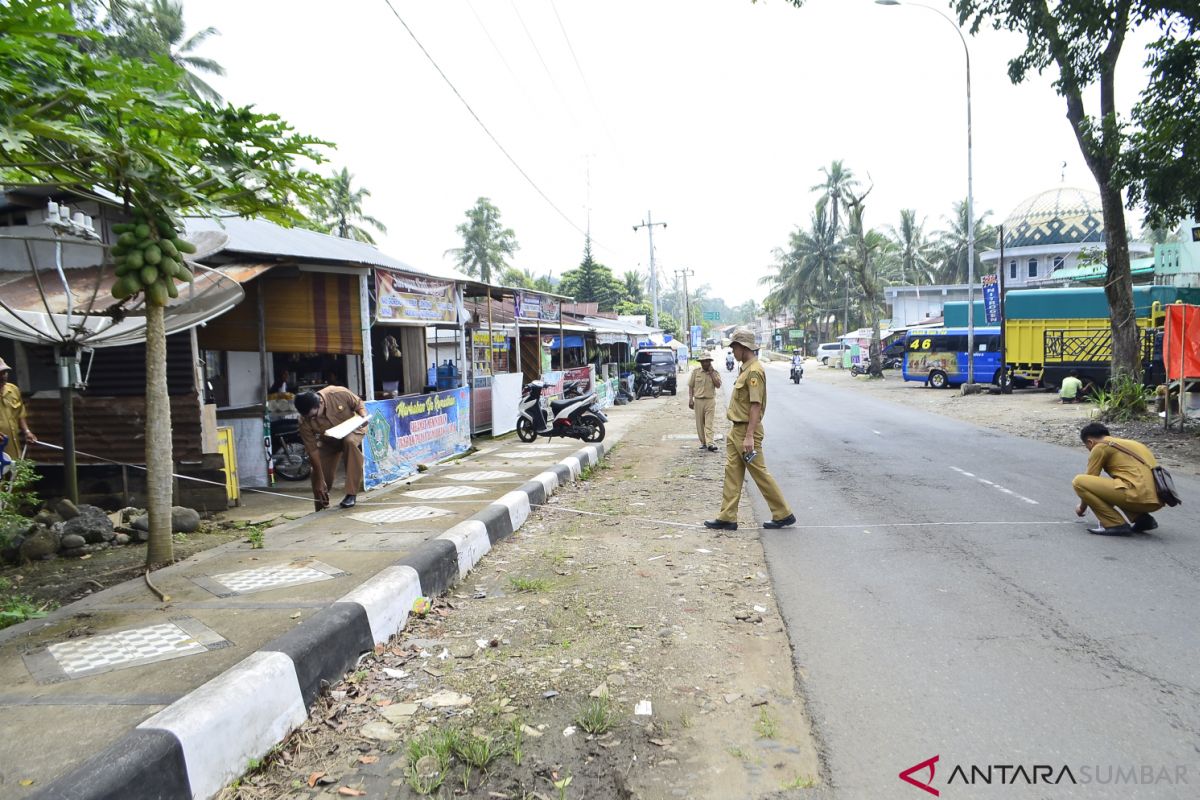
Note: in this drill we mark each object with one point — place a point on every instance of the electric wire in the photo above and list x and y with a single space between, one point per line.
558 91
500 53
586 85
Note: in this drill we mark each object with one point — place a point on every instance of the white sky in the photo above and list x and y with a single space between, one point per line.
715 115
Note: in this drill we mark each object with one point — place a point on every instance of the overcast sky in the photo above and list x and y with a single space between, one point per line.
714 115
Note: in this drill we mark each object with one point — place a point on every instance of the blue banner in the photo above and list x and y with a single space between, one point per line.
991 300
409 431
697 333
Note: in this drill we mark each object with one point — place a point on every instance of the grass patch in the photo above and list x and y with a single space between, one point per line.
766 726
529 585
16 608
1123 400
738 753
254 535
436 745
598 716
799 782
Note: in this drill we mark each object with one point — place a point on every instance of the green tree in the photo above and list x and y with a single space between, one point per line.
83 116
633 286
911 248
517 279
146 31
839 181
592 282
951 248
486 242
863 256
1154 155
342 209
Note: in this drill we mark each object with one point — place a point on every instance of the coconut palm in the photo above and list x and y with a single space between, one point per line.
343 210
157 29
485 242
951 245
864 254
633 285
839 180
911 249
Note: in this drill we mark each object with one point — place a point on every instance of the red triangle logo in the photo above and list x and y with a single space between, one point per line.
929 764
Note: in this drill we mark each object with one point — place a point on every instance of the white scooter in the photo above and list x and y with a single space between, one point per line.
574 417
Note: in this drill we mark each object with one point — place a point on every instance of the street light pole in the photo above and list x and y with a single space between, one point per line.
649 226
970 190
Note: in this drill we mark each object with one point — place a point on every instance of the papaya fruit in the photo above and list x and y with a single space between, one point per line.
168 248
136 259
165 228
127 239
184 274
172 289
148 275
156 293
152 254
169 267
142 231
183 245
122 227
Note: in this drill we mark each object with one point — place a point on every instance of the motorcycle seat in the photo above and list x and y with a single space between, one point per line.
559 405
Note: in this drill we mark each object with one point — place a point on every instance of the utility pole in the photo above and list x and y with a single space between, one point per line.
687 306
649 224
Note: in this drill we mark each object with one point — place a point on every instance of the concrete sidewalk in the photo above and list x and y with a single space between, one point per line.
121 696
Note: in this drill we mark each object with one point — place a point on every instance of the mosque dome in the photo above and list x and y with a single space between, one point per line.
1061 216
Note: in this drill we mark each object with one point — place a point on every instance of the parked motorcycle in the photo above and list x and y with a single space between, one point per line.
289 459
573 417
893 362
864 368
647 384
797 373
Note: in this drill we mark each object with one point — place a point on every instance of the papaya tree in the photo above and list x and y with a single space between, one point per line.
82 117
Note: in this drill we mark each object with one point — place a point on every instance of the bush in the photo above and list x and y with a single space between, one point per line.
1124 399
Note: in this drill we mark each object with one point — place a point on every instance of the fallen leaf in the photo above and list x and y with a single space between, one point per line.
346 791
28 781
313 778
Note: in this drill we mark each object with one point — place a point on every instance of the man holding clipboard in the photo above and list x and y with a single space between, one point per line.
333 422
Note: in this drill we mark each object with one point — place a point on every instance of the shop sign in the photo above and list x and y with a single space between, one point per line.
499 339
409 431
536 307
584 375
405 298
991 299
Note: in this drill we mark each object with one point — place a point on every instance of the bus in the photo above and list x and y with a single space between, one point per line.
938 356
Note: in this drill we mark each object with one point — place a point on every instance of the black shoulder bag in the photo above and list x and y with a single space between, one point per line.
1164 484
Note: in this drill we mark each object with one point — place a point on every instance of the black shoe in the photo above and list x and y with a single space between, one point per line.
790 519
720 525
349 501
703 447
1144 523
712 447
1119 530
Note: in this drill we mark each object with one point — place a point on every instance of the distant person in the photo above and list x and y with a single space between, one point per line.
1071 390
13 421
747 407
284 384
320 411
1129 485
702 397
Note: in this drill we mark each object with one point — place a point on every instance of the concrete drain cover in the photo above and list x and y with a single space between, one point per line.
261 579
484 475
79 658
441 492
407 514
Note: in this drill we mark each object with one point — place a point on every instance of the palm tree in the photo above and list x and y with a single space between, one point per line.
864 256
485 242
633 285
839 180
911 249
157 29
343 210
951 245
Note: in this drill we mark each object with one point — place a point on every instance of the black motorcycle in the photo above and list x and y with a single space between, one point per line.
647 384
797 373
289 458
729 363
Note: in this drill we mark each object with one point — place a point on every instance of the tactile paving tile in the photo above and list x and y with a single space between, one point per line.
441 492
77 658
483 475
406 514
261 579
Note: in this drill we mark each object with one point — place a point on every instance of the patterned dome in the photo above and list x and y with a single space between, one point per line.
1065 215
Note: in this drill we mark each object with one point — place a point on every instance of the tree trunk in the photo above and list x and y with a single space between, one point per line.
159 459
1118 288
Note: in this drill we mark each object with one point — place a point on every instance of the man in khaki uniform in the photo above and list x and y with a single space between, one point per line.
702 396
747 406
13 423
320 411
1129 487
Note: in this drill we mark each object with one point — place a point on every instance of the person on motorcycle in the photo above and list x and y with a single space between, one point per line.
729 361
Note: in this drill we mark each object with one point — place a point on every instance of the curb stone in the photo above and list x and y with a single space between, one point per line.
200 743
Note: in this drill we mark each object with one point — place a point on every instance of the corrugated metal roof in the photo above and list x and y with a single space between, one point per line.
261 237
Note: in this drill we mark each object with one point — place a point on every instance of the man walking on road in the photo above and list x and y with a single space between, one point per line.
747 406
1130 486
702 396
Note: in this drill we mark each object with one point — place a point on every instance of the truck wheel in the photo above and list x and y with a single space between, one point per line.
938 380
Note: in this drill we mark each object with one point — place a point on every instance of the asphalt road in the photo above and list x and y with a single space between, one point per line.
943 600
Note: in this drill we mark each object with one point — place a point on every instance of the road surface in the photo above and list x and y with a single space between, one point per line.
943 600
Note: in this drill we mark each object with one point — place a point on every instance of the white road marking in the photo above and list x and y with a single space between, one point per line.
996 486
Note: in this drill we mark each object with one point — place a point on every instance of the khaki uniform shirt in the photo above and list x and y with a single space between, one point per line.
12 415
750 387
1124 468
701 385
340 405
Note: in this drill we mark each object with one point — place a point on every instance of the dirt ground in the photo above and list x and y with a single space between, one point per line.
1032 413
660 637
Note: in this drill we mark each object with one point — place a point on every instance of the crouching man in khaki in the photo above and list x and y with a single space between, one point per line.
1128 487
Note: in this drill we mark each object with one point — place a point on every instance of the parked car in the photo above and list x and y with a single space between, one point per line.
830 352
661 361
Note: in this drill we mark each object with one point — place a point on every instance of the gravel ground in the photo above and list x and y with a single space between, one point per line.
664 639
1032 413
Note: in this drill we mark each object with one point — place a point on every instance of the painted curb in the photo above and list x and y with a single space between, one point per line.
196 746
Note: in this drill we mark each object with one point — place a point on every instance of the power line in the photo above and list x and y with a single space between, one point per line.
587 86
500 53
475 116
562 98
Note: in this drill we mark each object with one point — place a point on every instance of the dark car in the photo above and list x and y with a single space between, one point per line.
661 362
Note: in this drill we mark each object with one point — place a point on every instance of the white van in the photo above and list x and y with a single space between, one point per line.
830 352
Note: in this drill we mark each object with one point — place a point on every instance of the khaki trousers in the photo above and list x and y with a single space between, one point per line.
332 451
1104 496
705 411
735 475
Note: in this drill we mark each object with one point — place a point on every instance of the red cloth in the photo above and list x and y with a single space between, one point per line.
1182 337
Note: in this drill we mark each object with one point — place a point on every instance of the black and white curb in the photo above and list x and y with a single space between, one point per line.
200 743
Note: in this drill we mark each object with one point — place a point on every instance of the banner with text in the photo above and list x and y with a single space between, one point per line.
535 307
404 298
991 299
418 429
